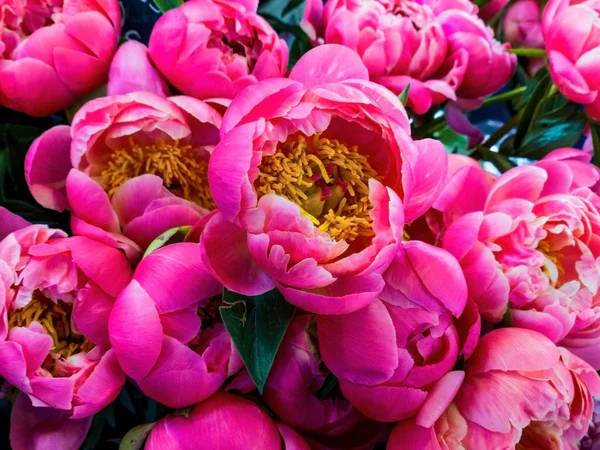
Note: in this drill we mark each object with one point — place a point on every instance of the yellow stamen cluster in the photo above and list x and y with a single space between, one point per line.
183 173
292 173
554 256
56 320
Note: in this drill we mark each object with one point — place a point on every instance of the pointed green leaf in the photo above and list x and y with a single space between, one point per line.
256 325
532 109
595 130
171 236
403 97
167 5
134 439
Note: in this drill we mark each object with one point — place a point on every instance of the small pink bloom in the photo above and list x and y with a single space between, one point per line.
223 422
54 51
96 168
292 391
307 179
488 66
523 24
400 350
225 41
56 294
519 391
166 331
534 248
572 34
400 43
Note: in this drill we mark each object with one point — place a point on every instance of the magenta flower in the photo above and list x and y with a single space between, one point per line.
96 168
306 178
225 41
533 250
291 393
56 296
400 43
488 66
394 353
571 31
54 51
224 422
519 391
176 349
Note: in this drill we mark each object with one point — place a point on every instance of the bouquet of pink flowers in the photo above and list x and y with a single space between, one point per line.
340 225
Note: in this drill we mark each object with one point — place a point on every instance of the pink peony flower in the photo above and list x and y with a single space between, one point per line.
306 178
56 294
533 249
224 422
225 41
54 51
519 391
523 24
400 43
96 167
571 31
400 350
488 66
293 388
166 331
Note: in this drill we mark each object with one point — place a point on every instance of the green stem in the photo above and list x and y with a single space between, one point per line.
501 162
498 17
500 132
504 96
529 52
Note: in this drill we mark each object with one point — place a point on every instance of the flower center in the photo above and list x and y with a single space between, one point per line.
183 173
56 320
327 179
554 263
209 314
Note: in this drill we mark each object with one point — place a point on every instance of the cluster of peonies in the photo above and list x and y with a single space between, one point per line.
451 308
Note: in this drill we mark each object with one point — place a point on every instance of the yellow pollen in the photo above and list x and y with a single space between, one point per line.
554 256
55 318
327 179
182 172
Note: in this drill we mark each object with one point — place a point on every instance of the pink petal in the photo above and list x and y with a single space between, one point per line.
137 343
47 165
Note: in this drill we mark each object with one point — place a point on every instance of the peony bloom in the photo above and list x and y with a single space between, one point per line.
54 51
166 331
523 24
400 43
395 353
533 249
488 66
439 47
591 441
292 393
519 391
223 422
225 41
56 294
95 168
571 31
306 178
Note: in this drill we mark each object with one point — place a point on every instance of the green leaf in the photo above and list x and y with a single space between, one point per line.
257 325
292 4
94 434
134 439
167 5
453 141
595 130
532 109
403 97
172 236
559 125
